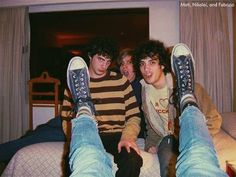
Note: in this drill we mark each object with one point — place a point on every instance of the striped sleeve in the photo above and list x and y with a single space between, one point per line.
66 113
132 114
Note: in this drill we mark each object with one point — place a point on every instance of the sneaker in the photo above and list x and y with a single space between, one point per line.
78 83
183 64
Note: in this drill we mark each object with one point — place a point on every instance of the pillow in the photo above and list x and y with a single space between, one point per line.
229 123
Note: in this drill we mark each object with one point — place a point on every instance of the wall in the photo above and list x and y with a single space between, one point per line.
42 115
163 15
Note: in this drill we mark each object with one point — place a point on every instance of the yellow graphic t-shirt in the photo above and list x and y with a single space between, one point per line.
159 99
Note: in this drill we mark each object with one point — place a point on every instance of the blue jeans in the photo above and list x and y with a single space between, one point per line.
87 155
197 153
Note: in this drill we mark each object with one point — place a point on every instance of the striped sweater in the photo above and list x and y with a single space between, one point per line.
115 104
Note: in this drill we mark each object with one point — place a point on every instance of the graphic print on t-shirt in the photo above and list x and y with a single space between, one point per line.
159 99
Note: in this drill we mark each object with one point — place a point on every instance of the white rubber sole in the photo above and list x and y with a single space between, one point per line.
181 49
76 63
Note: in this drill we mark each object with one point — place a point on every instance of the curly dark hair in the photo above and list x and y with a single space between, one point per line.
103 46
152 49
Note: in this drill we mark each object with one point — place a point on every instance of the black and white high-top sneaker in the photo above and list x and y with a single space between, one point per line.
183 65
78 83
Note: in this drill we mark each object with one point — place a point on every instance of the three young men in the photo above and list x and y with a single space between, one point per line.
118 117
196 148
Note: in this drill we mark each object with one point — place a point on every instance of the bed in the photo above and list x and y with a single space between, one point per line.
48 159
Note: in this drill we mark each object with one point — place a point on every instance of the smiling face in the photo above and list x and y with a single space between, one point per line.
152 72
98 66
127 68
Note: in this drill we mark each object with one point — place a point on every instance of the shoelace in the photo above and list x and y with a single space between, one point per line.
79 88
185 74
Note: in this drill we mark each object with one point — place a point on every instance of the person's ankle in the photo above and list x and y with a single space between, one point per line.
188 101
84 110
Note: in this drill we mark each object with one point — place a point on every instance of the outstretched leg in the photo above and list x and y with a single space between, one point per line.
197 154
87 155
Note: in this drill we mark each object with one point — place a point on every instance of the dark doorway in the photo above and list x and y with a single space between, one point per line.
58 36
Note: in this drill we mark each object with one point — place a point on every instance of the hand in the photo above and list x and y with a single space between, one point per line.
152 150
128 144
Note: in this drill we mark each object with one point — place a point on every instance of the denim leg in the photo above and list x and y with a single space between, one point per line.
87 154
167 155
197 153
48 132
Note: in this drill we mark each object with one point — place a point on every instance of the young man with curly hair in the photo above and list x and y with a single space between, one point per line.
116 109
160 106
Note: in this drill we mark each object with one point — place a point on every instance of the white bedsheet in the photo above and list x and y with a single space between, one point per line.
46 160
